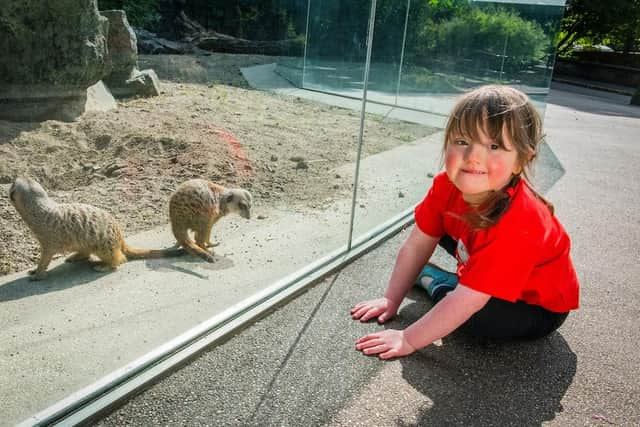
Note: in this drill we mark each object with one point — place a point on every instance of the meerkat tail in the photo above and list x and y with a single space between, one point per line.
135 253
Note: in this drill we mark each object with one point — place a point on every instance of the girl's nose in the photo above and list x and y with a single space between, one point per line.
473 152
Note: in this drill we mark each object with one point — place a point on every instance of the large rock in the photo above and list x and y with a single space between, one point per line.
52 51
123 49
125 79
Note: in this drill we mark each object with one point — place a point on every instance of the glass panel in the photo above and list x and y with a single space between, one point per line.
448 48
386 55
292 144
294 155
453 48
336 47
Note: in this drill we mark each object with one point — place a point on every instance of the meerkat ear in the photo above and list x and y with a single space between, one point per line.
228 198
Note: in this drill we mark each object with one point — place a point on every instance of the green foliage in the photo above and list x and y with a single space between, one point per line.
140 13
486 37
614 22
9 27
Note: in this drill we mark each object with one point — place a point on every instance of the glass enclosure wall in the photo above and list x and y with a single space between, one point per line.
424 54
435 48
263 97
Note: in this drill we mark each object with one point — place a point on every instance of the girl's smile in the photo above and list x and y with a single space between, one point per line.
473 172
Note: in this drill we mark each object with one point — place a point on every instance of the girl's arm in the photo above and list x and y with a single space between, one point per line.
413 255
451 312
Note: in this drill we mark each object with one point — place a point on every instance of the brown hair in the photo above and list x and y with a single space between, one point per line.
497 110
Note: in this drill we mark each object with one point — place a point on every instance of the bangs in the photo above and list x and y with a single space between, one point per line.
490 111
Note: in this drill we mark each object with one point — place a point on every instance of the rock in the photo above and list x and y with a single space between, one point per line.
123 49
49 58
125 79
144 83
99 98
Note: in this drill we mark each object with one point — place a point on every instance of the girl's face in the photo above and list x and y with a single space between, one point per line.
479 167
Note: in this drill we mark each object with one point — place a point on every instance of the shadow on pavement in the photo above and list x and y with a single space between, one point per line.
68 275
479 382
592 101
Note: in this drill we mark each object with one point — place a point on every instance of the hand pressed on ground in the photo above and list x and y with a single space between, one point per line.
383 308
386 344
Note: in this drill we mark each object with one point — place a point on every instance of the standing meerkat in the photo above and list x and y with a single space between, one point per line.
197 205
73 227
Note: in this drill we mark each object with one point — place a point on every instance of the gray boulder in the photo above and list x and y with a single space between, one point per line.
123 50
125 79
50 59
144 83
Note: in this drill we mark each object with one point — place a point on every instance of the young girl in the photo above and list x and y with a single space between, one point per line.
514 277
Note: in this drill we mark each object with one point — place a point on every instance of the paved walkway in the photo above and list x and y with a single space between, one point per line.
298 366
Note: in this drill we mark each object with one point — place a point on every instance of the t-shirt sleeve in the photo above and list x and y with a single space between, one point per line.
498 264
429 213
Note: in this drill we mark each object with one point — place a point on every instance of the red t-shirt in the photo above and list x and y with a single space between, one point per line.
524 257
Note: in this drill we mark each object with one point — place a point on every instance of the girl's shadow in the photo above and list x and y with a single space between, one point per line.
487 382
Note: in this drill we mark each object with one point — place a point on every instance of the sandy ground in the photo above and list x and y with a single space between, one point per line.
206 123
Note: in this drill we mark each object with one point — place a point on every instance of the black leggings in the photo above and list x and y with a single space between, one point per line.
503 319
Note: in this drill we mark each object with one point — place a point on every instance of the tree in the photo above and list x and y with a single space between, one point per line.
597 21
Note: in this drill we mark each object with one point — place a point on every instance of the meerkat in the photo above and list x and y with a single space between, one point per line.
73 227
197 205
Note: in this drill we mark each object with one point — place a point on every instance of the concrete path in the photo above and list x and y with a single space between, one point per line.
70 331
298 365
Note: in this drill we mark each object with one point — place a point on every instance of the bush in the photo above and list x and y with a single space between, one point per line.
484 36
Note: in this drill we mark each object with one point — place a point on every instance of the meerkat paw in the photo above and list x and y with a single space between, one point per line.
211 244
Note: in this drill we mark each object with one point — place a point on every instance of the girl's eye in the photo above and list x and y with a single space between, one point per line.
460 142
495 146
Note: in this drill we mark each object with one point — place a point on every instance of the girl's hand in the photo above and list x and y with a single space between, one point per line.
381 307
386 344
